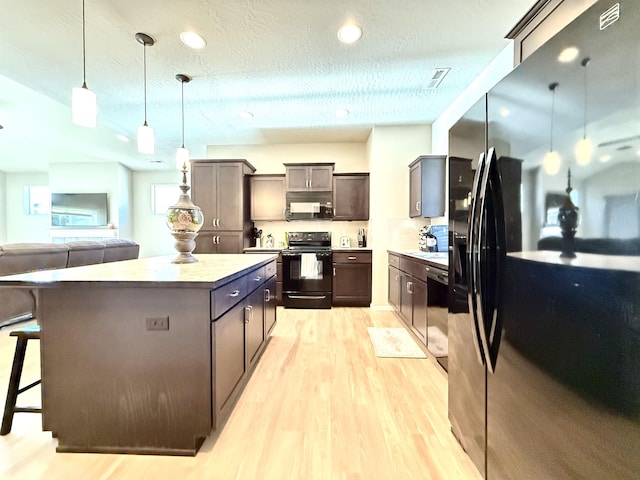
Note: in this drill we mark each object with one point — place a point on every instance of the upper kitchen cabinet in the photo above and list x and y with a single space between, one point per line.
543 21
267 197
304 177
351 196
427 186
221 189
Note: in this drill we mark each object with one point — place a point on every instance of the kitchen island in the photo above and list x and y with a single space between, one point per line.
145 356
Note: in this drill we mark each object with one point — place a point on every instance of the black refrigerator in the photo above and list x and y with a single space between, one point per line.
544 356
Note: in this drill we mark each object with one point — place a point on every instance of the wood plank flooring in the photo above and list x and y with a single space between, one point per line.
320 405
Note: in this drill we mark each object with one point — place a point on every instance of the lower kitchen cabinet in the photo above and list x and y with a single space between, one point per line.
409 294
351 278
220 242
238 336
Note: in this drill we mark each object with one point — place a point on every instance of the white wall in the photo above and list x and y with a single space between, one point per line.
150 230
3 208
390 150
22 227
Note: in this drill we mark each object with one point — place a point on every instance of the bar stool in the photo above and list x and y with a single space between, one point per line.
30 332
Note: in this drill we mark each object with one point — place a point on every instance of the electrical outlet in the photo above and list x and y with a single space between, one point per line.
157 323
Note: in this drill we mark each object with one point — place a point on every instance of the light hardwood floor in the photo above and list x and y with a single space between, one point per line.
320 405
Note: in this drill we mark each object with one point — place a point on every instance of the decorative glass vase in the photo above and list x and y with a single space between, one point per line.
184 219
568 220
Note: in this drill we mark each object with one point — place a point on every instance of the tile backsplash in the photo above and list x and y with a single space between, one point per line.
279 229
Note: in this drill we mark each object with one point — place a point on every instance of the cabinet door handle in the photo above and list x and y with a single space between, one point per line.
334 211
427 269
235 293
218 239
334 271
418 206
213 222
397 277
409 288
352 258
267 295
258 278
248 313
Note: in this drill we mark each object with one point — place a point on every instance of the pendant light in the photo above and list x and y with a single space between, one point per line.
83 101
584 147
182 153
145 132
551 161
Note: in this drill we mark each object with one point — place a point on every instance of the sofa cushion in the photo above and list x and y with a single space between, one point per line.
85 252
119 249
29 257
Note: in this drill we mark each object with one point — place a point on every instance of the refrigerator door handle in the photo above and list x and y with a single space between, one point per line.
492 243
472 265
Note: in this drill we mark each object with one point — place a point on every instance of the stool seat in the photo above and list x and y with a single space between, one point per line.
24 334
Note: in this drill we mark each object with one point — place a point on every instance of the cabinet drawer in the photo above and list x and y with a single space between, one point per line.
256 278
394 261
351 257
415 268
270 269
228 295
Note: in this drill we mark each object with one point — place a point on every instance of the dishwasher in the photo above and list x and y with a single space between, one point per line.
437 313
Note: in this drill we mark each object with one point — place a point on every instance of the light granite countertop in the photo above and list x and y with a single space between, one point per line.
211 271
439 259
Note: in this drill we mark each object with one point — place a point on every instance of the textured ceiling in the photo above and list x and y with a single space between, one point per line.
279 59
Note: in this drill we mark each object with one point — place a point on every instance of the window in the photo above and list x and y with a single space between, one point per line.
37 200
163 196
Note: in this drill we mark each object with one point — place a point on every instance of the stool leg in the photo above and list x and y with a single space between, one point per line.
14 385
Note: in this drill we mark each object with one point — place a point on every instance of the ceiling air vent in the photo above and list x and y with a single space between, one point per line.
437 76
610 16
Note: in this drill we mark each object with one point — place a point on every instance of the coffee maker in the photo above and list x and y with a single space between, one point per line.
427 241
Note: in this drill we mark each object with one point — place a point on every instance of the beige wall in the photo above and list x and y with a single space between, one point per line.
3 209
348 157
150 230
22 227
390 150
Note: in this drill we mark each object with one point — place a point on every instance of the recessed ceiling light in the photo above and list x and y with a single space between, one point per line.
605 158
122 138
349 33
193 40
246 115
505 112
638 152
342 112
569 54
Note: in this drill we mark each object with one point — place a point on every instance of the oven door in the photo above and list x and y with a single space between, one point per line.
306 279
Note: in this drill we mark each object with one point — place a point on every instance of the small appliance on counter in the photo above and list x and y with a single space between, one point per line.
433 238
362 238
345 241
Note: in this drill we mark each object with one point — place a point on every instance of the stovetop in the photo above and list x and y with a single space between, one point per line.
319 240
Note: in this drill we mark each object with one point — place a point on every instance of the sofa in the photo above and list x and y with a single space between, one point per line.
19 304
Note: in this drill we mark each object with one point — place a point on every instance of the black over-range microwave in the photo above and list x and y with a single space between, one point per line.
309 205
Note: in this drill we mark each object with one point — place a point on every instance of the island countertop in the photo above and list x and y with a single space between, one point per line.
210 271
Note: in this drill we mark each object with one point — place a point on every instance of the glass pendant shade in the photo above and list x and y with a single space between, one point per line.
83 107
182 158
551 162
584 148
146 139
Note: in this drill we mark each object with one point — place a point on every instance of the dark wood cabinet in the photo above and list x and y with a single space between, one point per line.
270 302
394 287
351 196
351 278
254 325
427 183
220 242
229 360
239 333
221 189
267 197
302 177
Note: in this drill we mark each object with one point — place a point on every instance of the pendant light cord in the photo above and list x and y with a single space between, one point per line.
552 87
182 88
84 55
144 62
584 64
